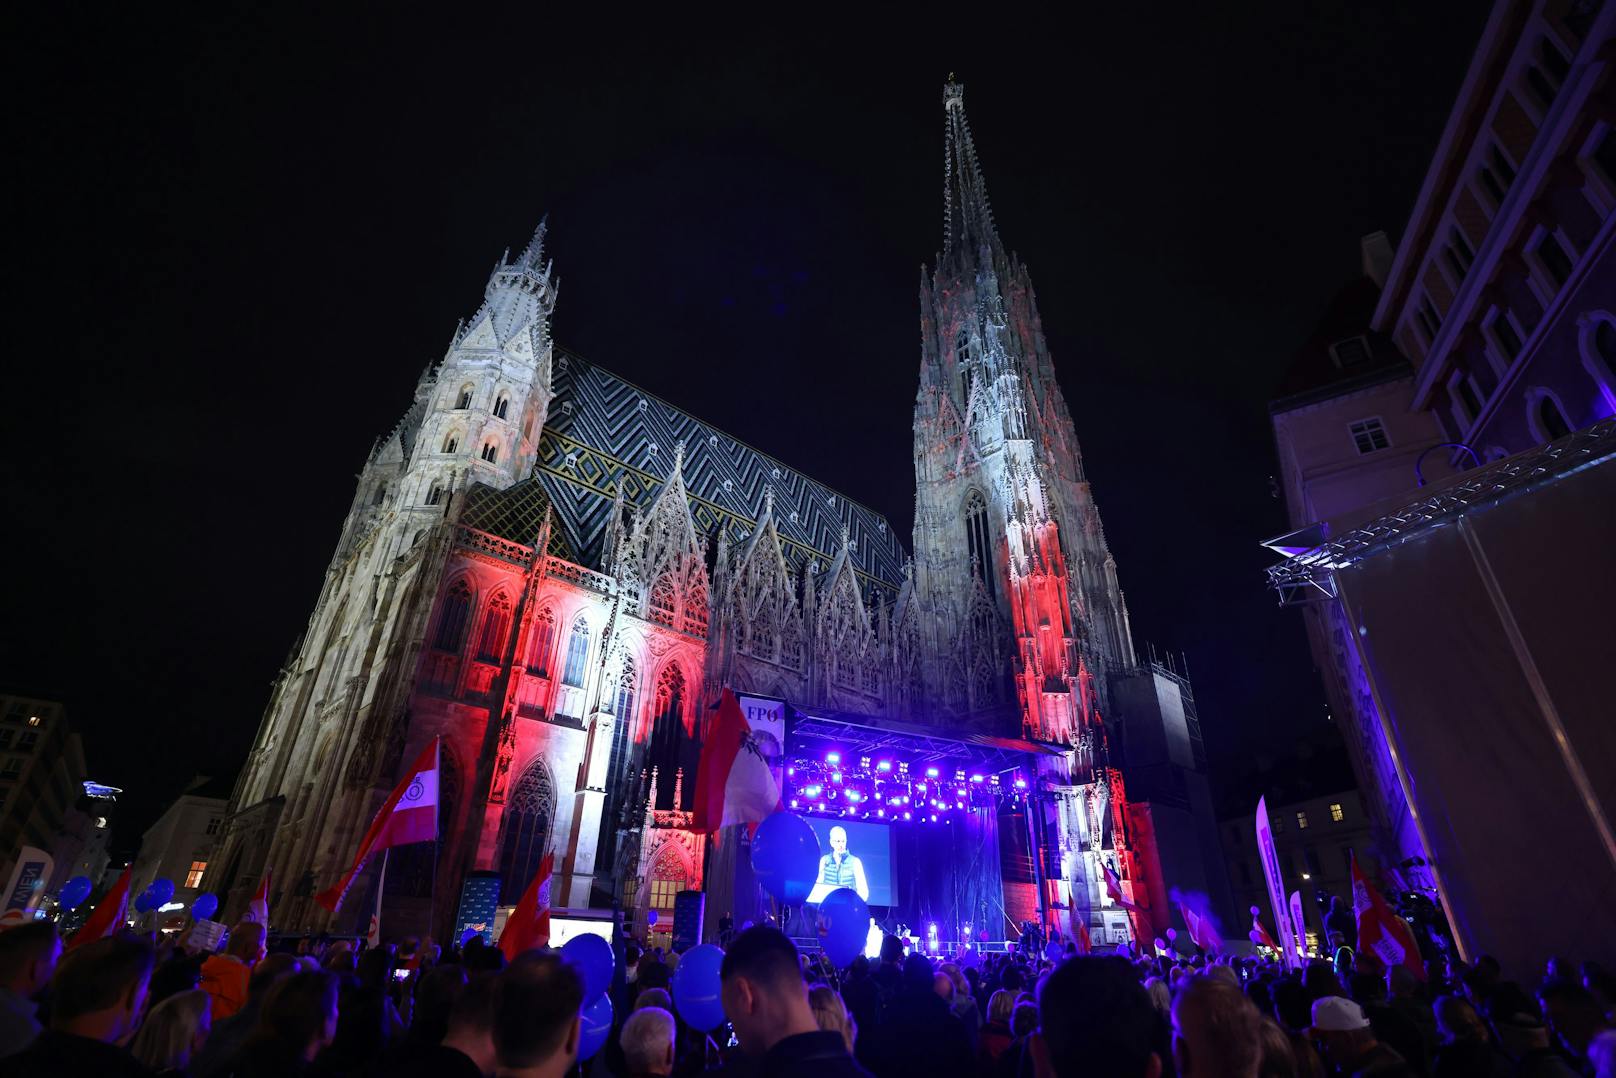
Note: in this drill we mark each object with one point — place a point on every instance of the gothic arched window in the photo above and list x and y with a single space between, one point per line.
962 359
662 599
496 624
668 878
524 830
623 706
978 540
451 444
500 406
465 397
453 618
577 654
434 495
490 452
538 656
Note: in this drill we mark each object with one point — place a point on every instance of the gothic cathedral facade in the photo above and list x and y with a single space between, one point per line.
557 573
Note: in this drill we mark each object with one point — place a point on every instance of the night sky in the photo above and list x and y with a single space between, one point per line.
243 238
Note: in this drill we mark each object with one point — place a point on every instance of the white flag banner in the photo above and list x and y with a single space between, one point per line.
1276 883
1299 925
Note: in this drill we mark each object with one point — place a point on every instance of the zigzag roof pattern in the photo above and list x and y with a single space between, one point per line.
604 435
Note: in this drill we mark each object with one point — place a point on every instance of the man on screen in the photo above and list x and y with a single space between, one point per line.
838 868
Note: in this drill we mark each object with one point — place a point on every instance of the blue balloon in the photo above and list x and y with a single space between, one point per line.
142 901
204 907
160 891
696 994
595 1025
651 918
785 857
593 957
844 925
74 892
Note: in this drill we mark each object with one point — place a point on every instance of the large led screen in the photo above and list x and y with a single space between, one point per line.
856 855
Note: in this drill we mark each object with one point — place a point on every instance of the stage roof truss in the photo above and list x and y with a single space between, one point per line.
1309 576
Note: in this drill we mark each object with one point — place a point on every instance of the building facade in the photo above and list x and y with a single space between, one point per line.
557 573
41 778
180 844
1481 375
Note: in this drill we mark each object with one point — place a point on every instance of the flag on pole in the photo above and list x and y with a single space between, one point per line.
1299 925
1113 887
107 917
1085 942
733 780
1380 931
258 908
1275 881
373 932
1202 933
529 923
1259 934
410 814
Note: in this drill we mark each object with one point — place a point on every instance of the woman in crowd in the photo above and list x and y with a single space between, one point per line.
173 1032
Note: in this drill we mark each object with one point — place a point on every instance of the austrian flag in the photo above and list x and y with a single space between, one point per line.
410 814
1380 931
733 780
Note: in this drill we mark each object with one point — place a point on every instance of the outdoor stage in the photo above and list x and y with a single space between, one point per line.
931 827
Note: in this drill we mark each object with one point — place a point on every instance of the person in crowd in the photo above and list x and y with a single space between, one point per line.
1217 1032
1574 1015
435 996
28 957
1348 1043
98 995
297 1021
962 1004
767 1004
369 1021
889 974
1293 1011
228 1034
996 1035
1161 997
1391 1026
174 1032
654 997
1095 1018
647 1042
1340 921
831 1013
860 995
225 976
1403 989
466 1049
1016 1061
918 1033
536 1021
1525 1040
1466 1046
1277 1058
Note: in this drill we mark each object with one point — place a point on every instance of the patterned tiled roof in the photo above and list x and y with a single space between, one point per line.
603 433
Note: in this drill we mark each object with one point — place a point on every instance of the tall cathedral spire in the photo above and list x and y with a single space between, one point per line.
967 216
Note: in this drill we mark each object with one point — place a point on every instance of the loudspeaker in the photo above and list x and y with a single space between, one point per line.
688 909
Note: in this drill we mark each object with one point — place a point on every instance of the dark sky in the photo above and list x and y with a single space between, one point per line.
244 237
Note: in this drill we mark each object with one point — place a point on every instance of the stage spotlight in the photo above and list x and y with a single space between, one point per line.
833 757
791 771
934 817
884 765
836 776
1021 784
976 778
931 772
793 802
907 816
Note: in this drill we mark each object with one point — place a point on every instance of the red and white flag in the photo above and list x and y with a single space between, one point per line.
733 780
1380 931
107 917
410 814
258 908
1202 933
1259 934
529 923
1113 887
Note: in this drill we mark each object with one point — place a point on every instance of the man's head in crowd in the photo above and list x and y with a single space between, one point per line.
471 1023
1095 1018
1573 1013
300 1013
99 990
28 957
536 1023
1216 1030
891 950
647 1041
246 942
1341 1032
762 990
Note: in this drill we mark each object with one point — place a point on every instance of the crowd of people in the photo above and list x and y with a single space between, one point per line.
129 1005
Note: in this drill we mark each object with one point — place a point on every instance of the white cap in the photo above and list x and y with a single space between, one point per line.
1338 1015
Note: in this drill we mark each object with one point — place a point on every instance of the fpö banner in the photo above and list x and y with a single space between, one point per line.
1276 883
27 885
